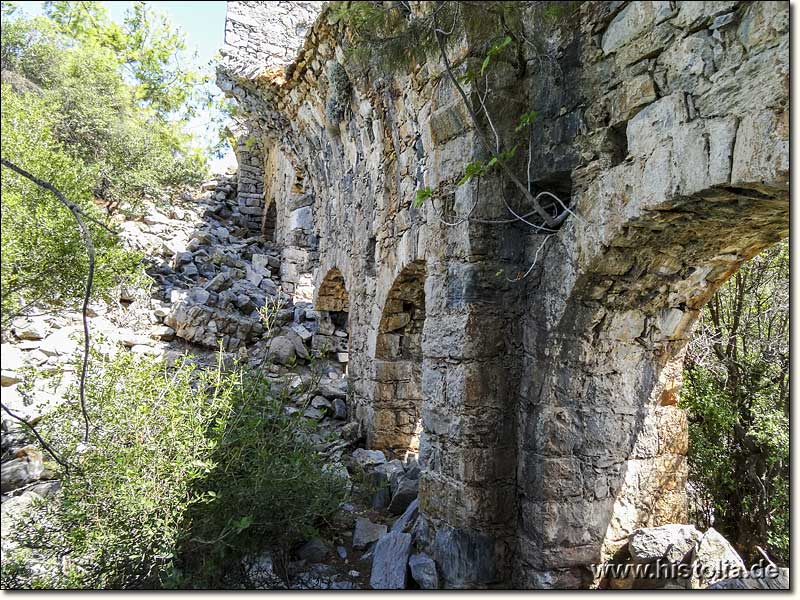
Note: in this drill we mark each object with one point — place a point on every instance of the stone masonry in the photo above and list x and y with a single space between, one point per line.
543 409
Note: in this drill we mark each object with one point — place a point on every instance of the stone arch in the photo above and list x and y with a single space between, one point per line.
333 305
602 442
397 400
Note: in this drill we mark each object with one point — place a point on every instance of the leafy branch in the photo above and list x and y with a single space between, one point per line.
79 216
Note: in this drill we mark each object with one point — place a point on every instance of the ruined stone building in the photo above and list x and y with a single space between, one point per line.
544 408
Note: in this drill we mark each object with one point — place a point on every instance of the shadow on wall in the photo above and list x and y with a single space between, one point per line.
397 398
333 305
603 442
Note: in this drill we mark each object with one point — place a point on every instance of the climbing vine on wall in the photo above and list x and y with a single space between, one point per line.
386 36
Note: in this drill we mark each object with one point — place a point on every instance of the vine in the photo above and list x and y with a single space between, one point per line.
393 34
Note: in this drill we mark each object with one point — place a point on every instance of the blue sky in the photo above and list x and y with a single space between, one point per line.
203 23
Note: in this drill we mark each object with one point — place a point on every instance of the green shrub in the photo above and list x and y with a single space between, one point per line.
736 393
268 485
123 504
177 457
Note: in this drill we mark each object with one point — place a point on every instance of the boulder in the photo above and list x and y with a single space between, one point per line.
15 509
261 264
333 389
390 562
715 559
45 488
367 532
339 409
322 403
672 542
314 550
21 471
301 331
8 377
63 341
405 521
770 578
13 358
423 571
220 282
407 491
299 348
368 458
313 413
33 329
163 332
282 350
260 570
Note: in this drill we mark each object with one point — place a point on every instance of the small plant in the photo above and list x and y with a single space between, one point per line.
338 94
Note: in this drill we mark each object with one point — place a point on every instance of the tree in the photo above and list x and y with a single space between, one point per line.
94 108
736 393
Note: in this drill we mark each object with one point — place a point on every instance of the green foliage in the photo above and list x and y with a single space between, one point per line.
93 108
186 471
736 386
494 51
527 119
422 195
268 485
123 506
43 257
150 50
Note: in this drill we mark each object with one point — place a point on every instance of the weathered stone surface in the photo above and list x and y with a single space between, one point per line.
313 551
751 582
672 542
29 329
260 571
282 349
389 564
543 410
715 559
406 492
367 458
20 471
367 532
423 570
465 558
405 521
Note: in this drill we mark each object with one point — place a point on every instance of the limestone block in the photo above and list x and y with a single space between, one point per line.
716 559
423 570
302 218
367 532
691 14
761 153
389 564
465 557
654 124
671 542
632 21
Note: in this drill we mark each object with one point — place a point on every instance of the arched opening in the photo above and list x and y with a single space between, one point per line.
603 441
270 224
333 306
398 364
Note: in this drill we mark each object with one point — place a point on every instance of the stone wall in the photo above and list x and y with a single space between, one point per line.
543 407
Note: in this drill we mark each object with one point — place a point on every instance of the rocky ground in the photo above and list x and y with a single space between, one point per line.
210 279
